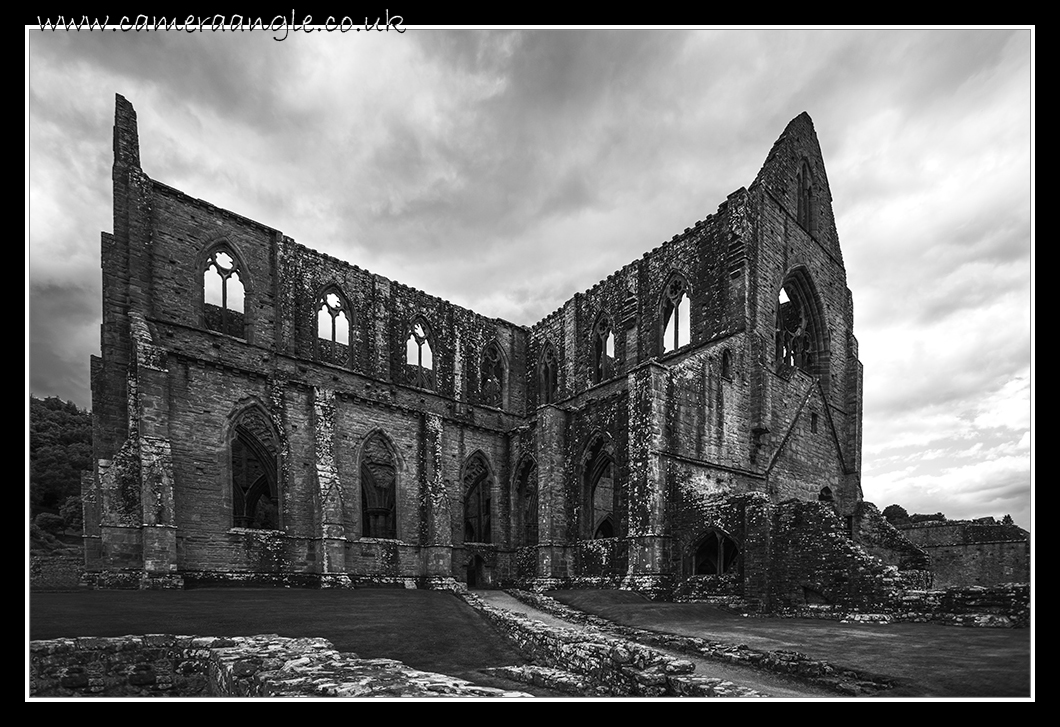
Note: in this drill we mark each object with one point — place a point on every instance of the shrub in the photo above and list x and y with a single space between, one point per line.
49 523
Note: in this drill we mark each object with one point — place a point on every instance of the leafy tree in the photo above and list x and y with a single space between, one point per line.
919 518
895 514
49 523
60 448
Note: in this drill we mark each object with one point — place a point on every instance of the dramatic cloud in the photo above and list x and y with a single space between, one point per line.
507 170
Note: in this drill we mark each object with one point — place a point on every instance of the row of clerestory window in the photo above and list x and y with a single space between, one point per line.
223 311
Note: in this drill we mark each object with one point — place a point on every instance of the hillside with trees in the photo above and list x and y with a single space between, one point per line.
60 448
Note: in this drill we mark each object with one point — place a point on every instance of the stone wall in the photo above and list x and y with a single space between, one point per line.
55 572
686 422
613 666
162 665
973 553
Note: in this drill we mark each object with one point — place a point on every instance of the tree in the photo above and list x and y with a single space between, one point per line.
60 448
895 514
920 518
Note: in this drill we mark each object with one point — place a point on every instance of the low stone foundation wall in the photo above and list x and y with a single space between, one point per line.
250 666
55 572
791 663
1004 606
603 665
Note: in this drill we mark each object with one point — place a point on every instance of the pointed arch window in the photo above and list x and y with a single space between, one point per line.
333 329
716 555
526 503
806 212
378 489
492 375
602 492
255 490
676 316
419 355
548 378
223 294
726 364
799 334
478 486
603 350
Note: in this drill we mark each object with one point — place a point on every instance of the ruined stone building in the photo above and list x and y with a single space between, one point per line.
691 425
981 552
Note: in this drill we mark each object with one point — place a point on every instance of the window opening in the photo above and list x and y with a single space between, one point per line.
602 491
255 495
717 554
603 351
223 294
805 212
333 329
796 330
477 486
677 329
526 498
549 385
419 356
378 489
492 376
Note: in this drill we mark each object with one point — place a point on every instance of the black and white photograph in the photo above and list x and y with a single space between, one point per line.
367 359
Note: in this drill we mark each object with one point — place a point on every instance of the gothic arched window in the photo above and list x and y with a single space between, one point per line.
419 356
676 315
255 491
799 335
478 485
378 489
333 329
602 493
717 554
492 376
603 350
807 212
223 292
526 503
548 378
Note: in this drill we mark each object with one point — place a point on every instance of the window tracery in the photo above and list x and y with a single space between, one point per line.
378 489
477 491
492 375
333 329
717 554
676 315
223 294
548 382
603 350
602 491
419 356
255 491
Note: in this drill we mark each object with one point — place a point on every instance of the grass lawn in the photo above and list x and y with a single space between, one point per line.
930 659
429 630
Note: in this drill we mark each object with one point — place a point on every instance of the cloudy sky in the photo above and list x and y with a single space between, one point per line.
507 170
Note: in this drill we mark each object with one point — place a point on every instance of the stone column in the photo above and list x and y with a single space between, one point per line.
649 541
550 448
435 509
332 535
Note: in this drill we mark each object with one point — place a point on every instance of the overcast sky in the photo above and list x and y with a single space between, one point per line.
507 170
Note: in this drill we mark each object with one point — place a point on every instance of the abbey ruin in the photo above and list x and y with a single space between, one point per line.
690 426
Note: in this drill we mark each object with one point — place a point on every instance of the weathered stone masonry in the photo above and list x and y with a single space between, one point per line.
267 413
